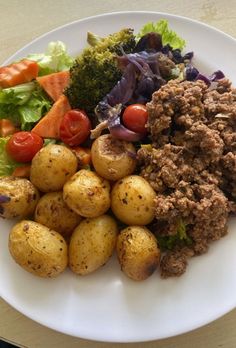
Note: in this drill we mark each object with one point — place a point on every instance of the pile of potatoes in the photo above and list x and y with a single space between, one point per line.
72 217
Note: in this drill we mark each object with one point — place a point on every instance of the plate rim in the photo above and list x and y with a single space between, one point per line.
115 13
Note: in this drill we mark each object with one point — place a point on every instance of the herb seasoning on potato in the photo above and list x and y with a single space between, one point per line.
38 249
51 167
52 211
137 252
18 197
113 158
132 200
92 244
87 193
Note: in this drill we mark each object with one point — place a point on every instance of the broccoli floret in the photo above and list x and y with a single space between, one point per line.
123 38
95 71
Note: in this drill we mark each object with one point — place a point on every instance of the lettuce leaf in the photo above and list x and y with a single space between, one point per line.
17 95
24 104
180 238
55 59
168 36
34 109
47 141
7 165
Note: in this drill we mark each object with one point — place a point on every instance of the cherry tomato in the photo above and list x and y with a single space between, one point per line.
75 127
135 117
22 146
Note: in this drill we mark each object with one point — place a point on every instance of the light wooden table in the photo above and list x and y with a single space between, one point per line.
23 20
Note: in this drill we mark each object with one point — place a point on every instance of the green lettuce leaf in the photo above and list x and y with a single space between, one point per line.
7 165
168 36
34 109
55 59
17 95
12 98
47 141
24 104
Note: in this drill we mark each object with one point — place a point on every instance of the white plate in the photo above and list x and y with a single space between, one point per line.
106 305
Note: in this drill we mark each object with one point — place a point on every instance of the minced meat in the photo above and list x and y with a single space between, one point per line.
191 165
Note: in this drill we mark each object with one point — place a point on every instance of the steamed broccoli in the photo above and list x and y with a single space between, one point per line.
95 71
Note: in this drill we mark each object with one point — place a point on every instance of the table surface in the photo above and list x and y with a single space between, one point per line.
24 20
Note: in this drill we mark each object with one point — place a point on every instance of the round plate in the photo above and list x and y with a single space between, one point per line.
106 305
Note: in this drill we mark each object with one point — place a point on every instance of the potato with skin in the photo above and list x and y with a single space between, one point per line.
38 249
112 158
18 197
87 194
51 167
52 211
132 200
92 244
137 252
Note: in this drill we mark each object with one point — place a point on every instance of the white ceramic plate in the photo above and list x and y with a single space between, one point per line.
106 305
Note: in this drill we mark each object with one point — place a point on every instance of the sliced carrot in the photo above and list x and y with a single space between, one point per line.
49 125
54 84
17 73
22 171
6 128
83 155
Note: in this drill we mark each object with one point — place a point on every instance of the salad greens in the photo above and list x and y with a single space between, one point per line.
7 165
168 36
55 59
48 141
24 104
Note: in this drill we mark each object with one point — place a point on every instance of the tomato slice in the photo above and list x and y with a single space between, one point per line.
75 127
22 146
135 118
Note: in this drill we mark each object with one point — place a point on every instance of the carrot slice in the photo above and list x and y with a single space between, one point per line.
22 171
6 128
49 125
83 155
17 73
54 84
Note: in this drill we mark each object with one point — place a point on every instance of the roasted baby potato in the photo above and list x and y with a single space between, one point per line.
52 211
92 243
51 167
18 197
132 200
137 252
113 158
38 249
87 194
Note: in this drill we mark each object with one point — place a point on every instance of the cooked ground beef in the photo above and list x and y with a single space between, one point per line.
191 165
165 65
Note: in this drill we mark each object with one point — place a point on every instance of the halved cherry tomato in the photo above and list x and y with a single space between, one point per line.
135 118
22 146
75 127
